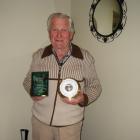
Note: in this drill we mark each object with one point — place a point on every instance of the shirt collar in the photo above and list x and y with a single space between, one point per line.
66 55
76 51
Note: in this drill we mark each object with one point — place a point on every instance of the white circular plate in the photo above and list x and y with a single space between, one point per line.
69 88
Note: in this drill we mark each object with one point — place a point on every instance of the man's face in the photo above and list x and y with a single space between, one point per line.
60 36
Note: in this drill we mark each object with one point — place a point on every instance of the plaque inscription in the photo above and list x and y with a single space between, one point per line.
39 83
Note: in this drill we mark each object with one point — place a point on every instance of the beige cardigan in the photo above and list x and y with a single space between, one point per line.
80 66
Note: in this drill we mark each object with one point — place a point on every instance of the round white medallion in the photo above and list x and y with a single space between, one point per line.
69 88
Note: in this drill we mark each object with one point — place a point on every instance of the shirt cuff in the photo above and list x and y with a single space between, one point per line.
85 102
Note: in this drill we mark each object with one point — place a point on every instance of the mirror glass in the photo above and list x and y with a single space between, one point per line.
107 16
107 19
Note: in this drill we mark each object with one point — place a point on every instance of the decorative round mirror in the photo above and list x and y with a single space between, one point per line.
107 19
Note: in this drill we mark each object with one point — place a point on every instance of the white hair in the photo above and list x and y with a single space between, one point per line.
63 16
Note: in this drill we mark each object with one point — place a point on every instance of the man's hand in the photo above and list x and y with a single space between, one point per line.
80 99
37 98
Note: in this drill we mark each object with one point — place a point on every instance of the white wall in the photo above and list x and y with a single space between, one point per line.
22 31
63 6
116 114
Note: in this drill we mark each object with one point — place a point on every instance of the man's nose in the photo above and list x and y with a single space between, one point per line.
59 33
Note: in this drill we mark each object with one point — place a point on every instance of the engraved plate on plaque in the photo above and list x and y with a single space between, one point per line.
39 84
69 88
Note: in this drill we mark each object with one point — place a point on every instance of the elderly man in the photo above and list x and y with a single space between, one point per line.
57 117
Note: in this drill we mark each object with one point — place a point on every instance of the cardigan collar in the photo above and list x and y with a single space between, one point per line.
76 51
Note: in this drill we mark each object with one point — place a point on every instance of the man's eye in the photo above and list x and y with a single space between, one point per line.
64 30
55 30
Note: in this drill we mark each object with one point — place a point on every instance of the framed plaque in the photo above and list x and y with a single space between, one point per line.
39 83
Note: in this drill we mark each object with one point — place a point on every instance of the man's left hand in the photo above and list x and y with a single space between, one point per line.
79 99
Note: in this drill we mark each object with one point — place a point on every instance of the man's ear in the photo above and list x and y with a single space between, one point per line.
49 34
71 35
